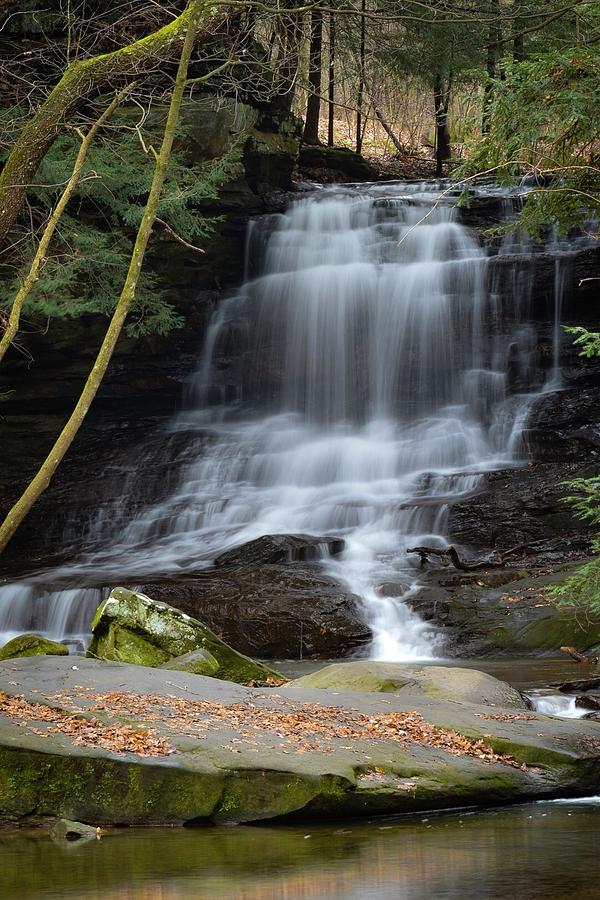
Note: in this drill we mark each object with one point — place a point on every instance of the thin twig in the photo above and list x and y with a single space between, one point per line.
178 237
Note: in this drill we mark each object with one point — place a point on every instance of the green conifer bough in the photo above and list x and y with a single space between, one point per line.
14 317
82 79
194 15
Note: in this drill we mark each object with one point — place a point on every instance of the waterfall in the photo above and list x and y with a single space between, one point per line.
361 381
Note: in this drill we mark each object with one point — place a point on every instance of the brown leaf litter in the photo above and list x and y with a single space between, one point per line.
298 727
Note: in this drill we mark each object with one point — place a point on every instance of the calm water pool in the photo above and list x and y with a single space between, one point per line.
543 851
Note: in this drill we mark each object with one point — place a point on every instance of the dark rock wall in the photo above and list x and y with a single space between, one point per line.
562 433
146 381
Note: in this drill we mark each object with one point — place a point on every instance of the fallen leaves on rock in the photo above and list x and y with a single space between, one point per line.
298 727
589 744
84 732
507 716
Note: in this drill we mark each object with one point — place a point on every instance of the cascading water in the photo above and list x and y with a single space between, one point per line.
359 383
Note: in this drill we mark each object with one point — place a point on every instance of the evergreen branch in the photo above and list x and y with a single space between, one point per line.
12 325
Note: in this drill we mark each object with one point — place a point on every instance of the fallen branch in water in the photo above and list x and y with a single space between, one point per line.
451 553
580 657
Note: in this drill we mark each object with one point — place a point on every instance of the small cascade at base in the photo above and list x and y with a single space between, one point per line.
360 382
559 705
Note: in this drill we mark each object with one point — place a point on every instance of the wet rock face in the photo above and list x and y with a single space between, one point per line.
280 548
516 506
508 612
565 426
272 611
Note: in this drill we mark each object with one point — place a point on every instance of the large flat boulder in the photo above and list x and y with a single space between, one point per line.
411 681
130 627
142 747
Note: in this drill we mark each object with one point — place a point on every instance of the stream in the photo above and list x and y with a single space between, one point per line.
541 851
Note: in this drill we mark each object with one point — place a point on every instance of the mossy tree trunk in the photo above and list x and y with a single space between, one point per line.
40 482
12 325
80 81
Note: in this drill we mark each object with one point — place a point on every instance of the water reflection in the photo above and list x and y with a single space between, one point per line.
538 851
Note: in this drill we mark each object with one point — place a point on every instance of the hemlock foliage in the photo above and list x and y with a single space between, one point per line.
583 588
92 247
543 118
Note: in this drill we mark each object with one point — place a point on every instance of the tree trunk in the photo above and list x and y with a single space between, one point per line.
518 44
313 106
81 80
495 35
441 99
12 325
385 124
331 83
361 77
41 480
289 31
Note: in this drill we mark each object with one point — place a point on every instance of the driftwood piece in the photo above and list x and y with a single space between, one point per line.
581 684
494 561
451 553
580 657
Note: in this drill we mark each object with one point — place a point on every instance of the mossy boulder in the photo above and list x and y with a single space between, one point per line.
199 662
337 159
271 150
439 682
130 627
551 629
32 645
72 831
504 612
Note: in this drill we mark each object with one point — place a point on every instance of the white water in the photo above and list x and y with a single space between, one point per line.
557 705
356 386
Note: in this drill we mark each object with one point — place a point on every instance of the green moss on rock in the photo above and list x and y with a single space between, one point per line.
32 645
100 790
130 627
439 682
199 662
217 774
550 630
124 645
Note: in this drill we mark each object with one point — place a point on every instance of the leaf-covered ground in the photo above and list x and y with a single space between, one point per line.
298 727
